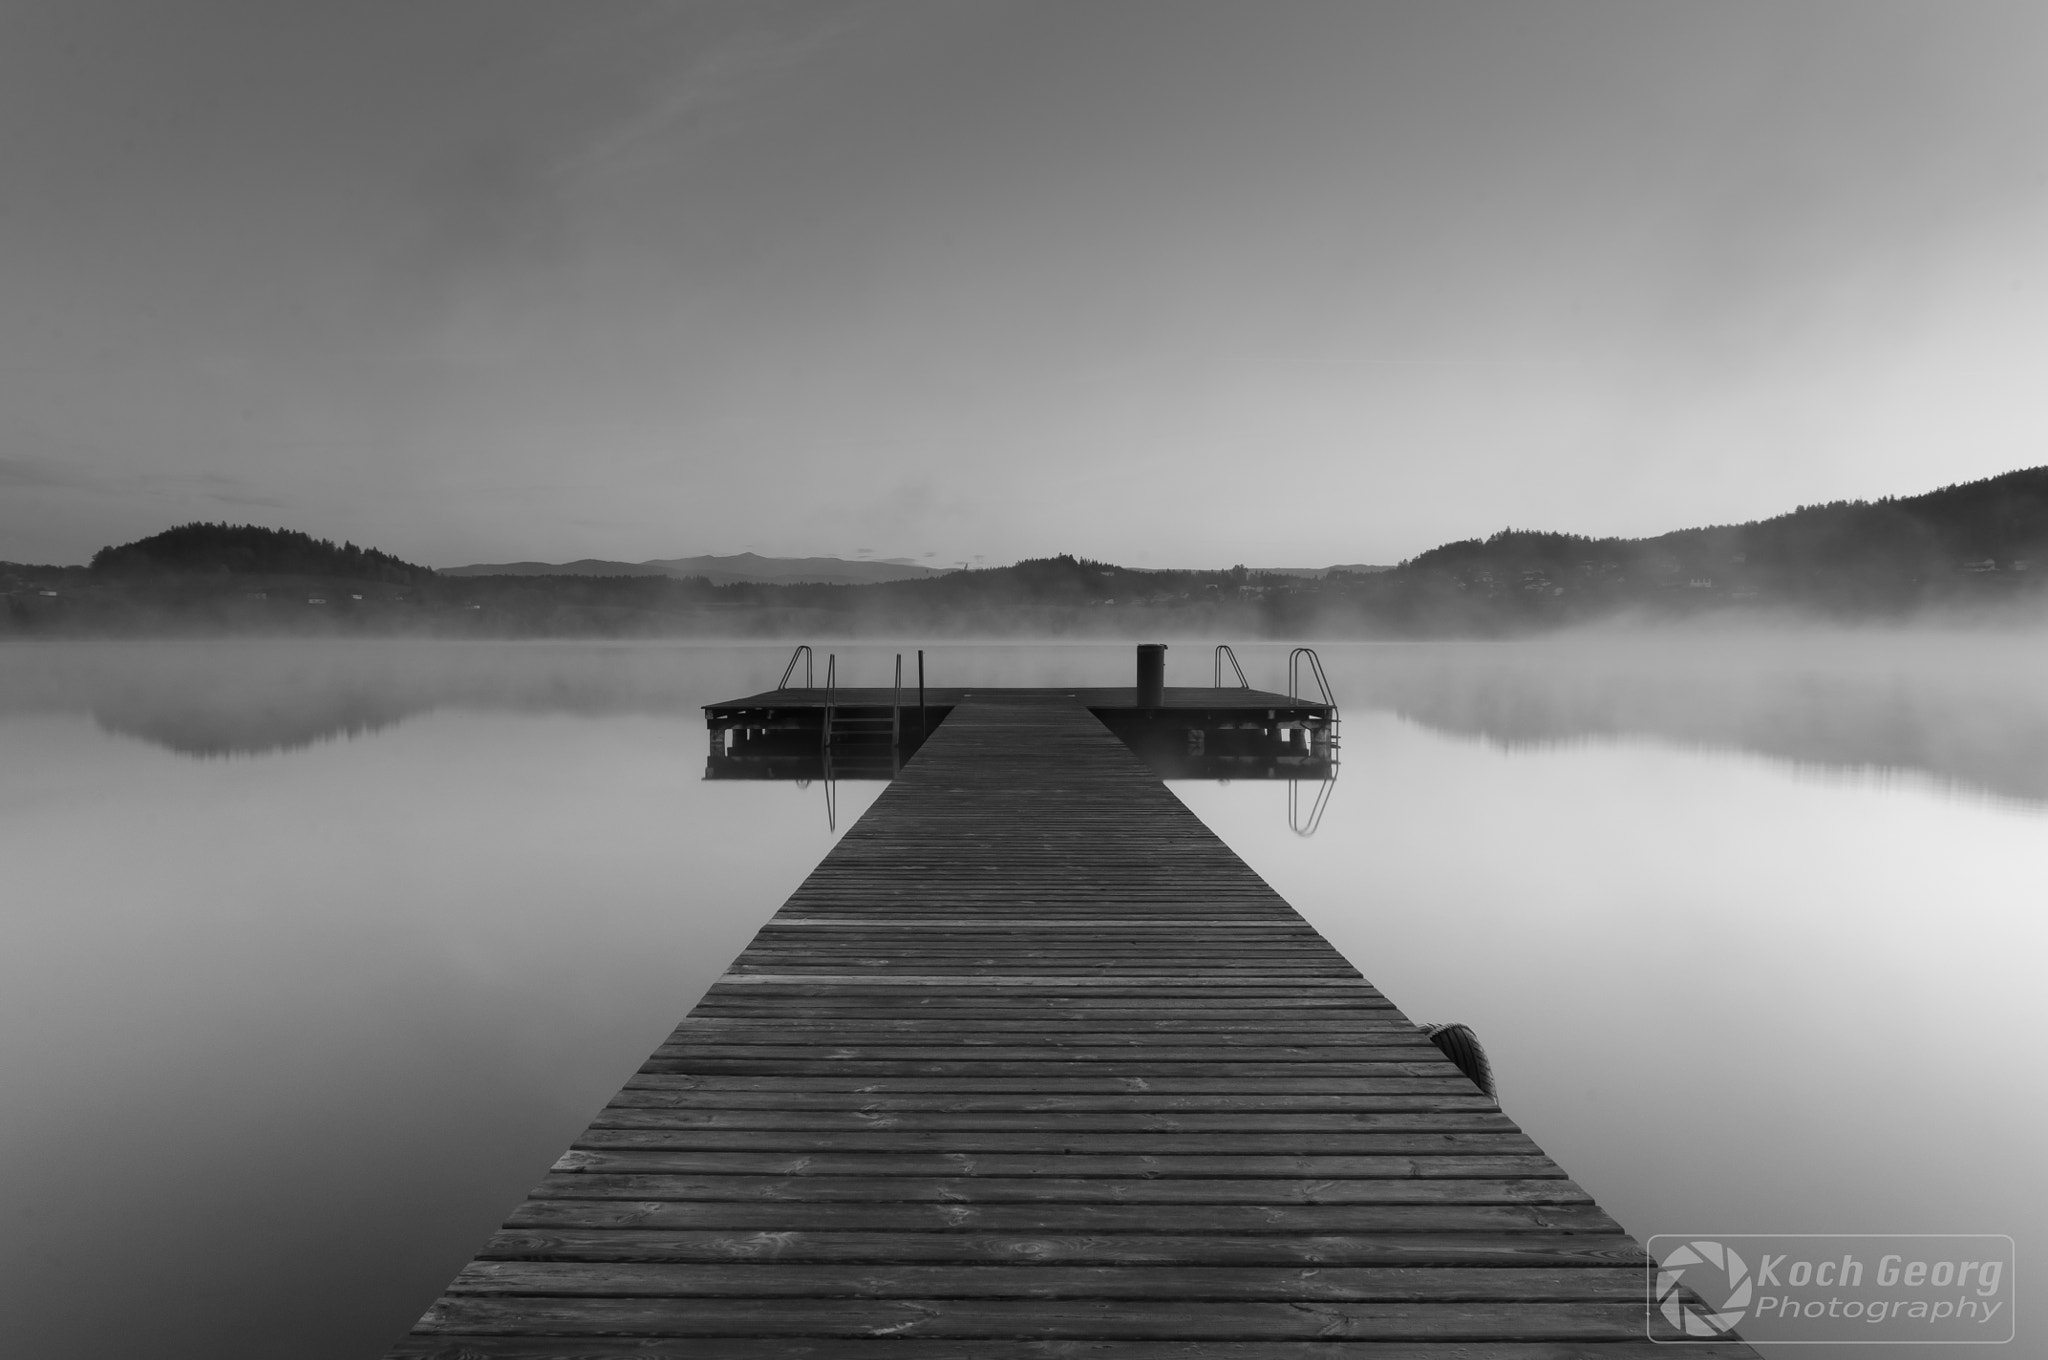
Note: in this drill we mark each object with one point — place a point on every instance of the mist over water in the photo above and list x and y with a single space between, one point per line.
1966 708
314 956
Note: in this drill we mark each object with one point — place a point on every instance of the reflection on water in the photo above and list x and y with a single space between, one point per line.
1249 742
241 724
285 1035
237 698
1969 709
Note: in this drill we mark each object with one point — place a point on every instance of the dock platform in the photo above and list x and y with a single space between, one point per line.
1191 733
1034 1066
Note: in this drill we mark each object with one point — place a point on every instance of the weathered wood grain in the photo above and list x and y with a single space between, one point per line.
1040 1318
452 1347
645 1184
1399 1093
1156 1167
1034 1067
1356 1284
889 1215
1515 1249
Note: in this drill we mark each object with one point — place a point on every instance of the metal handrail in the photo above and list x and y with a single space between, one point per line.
804 651
1315 665
1295 821
1315 813
896 712
831 677
1223 651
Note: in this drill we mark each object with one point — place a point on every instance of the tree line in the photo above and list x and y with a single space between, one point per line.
1969 544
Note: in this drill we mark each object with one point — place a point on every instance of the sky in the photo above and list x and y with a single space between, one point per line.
1168 284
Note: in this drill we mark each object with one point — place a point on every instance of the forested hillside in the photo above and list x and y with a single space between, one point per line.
1972 546
1969 542
247 550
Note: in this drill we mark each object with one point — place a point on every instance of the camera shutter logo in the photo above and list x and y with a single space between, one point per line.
1711 1264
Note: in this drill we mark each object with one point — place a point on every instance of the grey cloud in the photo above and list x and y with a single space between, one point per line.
722 72
239 498
211 486
510 198
35 472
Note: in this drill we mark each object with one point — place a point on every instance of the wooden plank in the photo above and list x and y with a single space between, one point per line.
1154 1166
450 1346
1224 974
938 1002
1096 1081
1033 1066
1396 1093
1135 1065
1422 1143
1189 1319
1058 1123
1227 700
1034 1188
1102 1029
1407 1050
882 1215
1405 1284
635 1243
996 923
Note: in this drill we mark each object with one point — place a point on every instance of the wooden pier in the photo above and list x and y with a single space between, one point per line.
1191 733
1034 1066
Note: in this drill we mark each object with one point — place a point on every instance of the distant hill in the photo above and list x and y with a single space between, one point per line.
582 566
1979 547
1897 551
739 567
1317 573
200 549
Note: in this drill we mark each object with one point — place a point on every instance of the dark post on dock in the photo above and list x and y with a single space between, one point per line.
1033 1066
1152 675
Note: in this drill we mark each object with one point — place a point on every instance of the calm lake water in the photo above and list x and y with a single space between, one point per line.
313 957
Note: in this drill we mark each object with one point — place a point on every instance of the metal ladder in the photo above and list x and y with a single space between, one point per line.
1303 822
803 653
862 744
1224 653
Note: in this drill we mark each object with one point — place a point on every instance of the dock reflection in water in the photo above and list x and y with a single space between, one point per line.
1967 711
807 735
785 741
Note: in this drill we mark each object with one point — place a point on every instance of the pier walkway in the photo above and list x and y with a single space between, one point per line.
1034 1066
